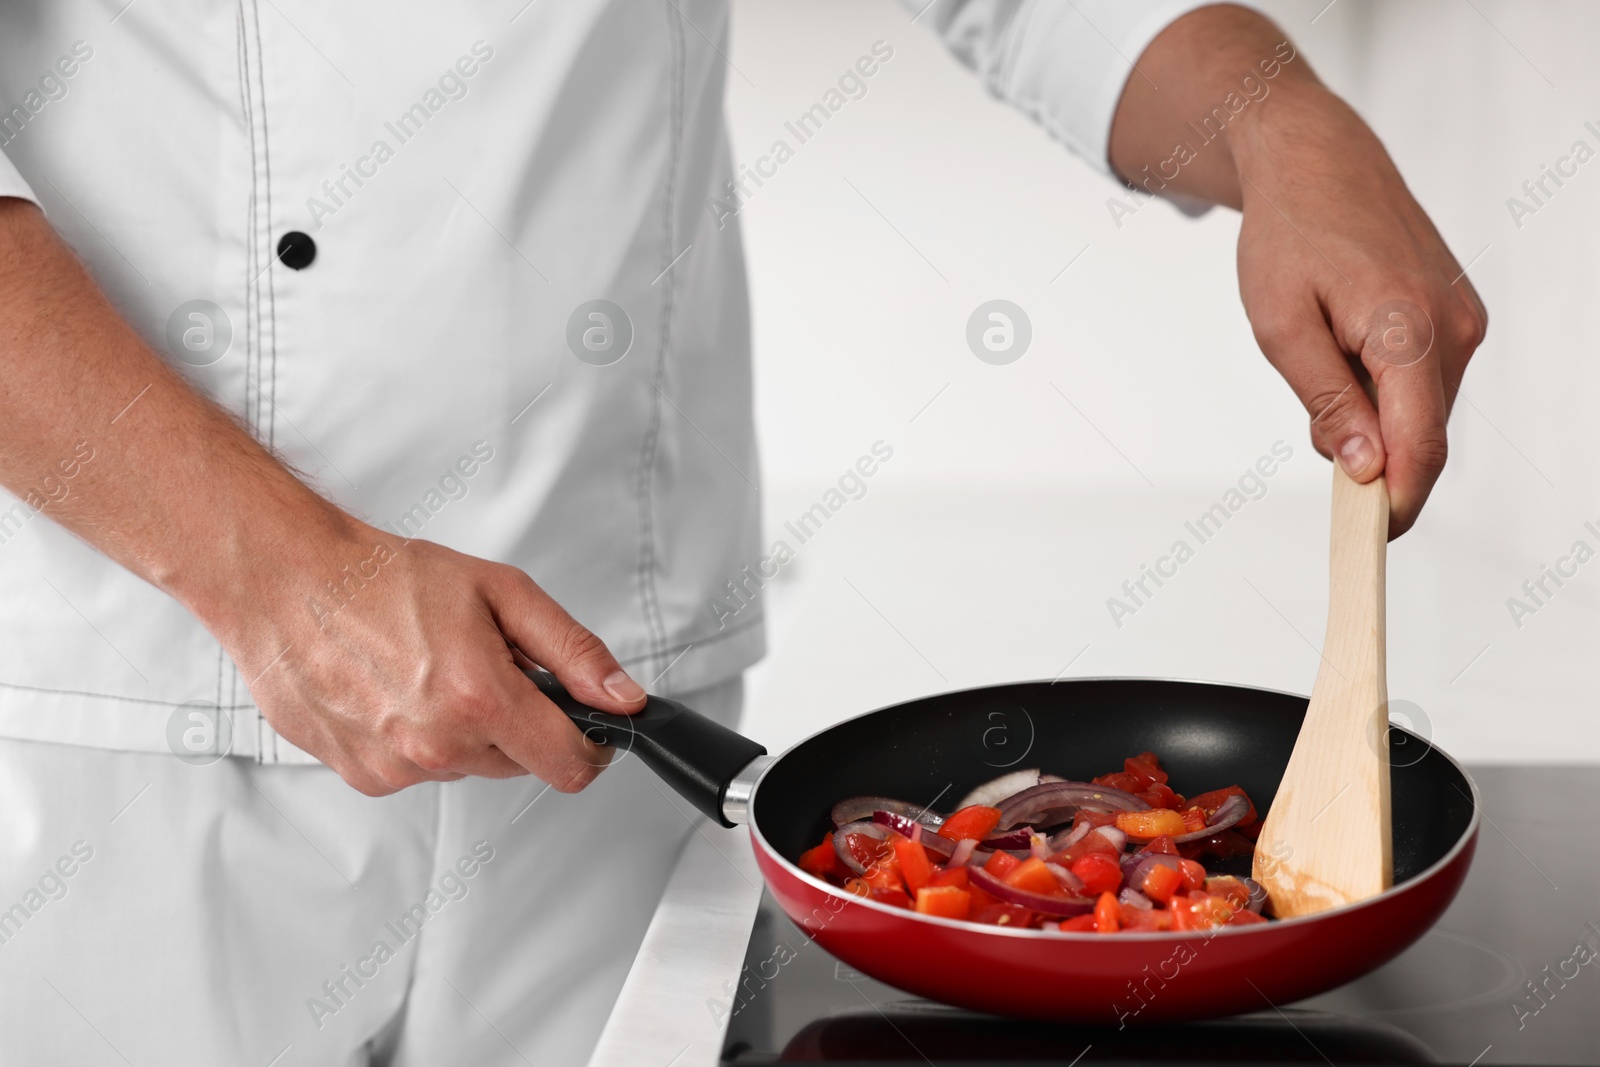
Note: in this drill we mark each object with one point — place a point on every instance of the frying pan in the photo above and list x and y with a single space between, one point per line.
933 750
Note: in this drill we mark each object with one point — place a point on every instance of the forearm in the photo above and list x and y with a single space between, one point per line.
1211 95
98 432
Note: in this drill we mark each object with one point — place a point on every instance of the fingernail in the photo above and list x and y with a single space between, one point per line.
1355 455
623 688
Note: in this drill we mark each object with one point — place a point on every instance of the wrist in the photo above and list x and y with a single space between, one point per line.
264 572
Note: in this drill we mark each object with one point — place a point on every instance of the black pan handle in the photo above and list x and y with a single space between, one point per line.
696 756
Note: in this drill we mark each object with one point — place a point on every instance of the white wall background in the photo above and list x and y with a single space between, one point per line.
986 549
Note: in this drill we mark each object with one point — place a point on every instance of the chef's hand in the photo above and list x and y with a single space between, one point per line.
404 665
1341 272
392 661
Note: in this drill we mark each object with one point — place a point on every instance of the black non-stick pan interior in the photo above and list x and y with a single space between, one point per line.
932 751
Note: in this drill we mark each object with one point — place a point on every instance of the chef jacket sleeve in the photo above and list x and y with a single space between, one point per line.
11 183
1063 63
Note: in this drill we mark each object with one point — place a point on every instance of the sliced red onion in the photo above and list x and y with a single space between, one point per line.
1067 880
1135 899
1021 838
940 846
842 850
855 809
992 792
1113 835
1228 813
1053 802
1065 839
1038 847
1147 862
1039 902
1258 895
961 853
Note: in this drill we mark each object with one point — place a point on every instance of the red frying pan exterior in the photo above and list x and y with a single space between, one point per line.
932 750
1120 979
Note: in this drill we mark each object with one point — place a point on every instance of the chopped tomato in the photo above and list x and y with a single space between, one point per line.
1001 914
1079 924
892 895
1033 876
1230 889
974 821
1161 882
1243 917
1128 783
914 865
1162 844
1145 825
1096 819
1182 916
823 861
1160 795
980 898
1092 842
1145 918
948 901
1145 765
1209 910
878 857
1099 873
956 876
1194 820
856 887
1210 802
1001 864
1194 875
1107 914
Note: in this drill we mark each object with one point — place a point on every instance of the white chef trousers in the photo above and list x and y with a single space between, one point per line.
154 912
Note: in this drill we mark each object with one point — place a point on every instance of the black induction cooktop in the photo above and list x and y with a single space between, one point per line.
1510 975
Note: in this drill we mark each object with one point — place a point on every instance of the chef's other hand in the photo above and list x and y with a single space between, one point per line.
401 665
1342 274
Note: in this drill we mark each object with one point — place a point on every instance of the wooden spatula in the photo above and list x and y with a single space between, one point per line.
1326 839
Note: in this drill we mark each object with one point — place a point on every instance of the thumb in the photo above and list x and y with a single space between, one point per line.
542 631
1344 424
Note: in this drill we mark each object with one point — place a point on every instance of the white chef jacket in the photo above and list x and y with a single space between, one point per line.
473 176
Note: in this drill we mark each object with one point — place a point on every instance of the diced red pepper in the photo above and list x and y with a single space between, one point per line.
1107 914
1145 918
1146 825
1032 875
974 821
1161 882
915 867
947 901
1079 924
1099 873
1001 864
823 861
1194 820
1242 917
956 876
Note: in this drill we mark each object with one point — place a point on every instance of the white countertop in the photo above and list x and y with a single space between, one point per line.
673 1007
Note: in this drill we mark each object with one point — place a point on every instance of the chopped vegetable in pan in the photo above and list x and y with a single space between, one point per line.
1035 851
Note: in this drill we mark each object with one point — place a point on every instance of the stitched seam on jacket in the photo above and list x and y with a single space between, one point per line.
654 626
